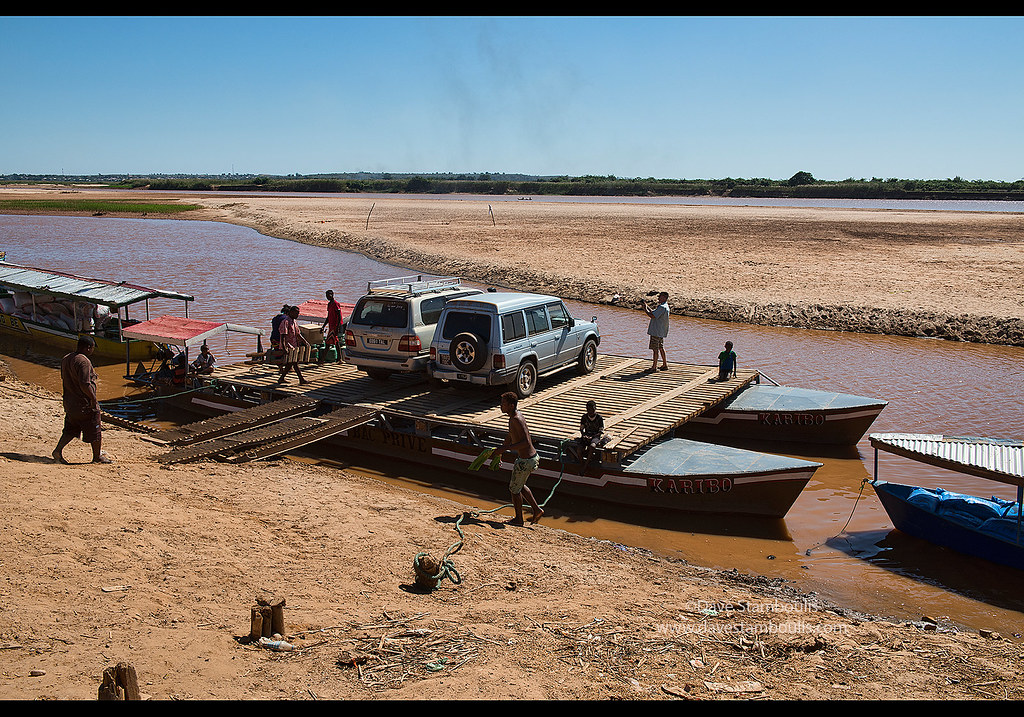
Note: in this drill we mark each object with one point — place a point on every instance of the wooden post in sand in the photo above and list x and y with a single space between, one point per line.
119 683
255 623
271 613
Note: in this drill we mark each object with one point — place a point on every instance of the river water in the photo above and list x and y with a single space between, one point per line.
837 541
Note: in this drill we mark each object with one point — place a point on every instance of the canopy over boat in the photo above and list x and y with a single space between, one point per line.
316 310
179 331
992 458
68 286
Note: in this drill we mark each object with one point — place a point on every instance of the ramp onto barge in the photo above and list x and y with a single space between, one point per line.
638 407
238 421
259 440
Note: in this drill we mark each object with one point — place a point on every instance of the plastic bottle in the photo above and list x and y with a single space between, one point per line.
277 645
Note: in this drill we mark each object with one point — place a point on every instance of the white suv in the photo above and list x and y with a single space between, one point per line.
510 338
391 327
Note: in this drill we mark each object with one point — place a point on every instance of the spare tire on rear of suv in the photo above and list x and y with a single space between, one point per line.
468 352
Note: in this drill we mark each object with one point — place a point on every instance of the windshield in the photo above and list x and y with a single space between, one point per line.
381 312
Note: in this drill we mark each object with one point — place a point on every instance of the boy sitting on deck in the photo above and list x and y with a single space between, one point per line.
727 363
591 433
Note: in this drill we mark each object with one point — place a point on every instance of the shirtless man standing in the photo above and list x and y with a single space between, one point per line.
81 405
518 440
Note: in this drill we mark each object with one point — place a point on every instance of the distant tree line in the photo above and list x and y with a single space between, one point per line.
800 185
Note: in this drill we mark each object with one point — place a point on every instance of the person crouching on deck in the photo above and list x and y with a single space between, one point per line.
727 363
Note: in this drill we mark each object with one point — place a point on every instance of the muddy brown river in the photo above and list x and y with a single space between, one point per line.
837 540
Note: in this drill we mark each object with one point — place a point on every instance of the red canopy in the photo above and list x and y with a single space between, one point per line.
316 310
175 330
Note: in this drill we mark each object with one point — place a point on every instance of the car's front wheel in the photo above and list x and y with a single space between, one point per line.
588 357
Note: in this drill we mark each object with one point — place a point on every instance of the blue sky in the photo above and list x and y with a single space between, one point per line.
665 97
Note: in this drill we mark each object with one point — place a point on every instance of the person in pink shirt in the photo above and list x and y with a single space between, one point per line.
291 338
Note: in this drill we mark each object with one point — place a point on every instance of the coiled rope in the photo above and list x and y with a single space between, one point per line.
430 572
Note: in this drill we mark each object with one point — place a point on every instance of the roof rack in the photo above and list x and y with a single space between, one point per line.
414 284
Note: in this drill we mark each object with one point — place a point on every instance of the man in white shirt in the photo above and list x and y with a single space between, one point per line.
658 330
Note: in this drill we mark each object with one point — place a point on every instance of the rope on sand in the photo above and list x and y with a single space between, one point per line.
430 572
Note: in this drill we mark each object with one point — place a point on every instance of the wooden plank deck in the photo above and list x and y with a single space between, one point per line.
638 407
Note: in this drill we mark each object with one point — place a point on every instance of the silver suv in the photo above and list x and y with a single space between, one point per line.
510 338
391 327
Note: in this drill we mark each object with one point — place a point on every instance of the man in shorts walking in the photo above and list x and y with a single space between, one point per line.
518 440
81 405
658 330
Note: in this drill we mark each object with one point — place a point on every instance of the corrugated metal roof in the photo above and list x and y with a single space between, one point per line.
69 286
1001 460
180 331
175 330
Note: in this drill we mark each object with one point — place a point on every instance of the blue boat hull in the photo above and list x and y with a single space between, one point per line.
955 530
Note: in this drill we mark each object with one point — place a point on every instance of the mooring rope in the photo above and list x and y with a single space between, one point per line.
127 401
446 568
852 511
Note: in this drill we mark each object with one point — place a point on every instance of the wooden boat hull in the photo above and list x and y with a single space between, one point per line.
66 340
764 491
780 413
949 532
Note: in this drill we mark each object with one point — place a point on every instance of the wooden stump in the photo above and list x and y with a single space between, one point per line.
256 624
272 613
119 683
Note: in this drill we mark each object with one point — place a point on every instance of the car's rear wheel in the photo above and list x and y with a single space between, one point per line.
468 352
526 379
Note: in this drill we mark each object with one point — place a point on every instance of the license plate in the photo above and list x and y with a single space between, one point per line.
377 342
462 376
446 360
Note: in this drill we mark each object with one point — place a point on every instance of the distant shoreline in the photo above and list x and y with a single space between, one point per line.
950 275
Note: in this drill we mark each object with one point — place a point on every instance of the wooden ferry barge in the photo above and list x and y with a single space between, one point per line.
642 464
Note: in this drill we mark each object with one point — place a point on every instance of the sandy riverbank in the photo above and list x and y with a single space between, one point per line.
954 275
159 566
